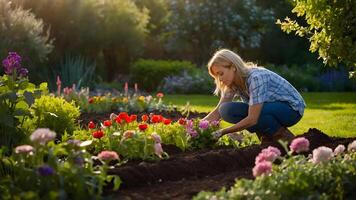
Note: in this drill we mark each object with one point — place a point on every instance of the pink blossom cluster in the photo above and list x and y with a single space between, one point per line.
108 156
204 124
299 145
264 160
24 149
42 136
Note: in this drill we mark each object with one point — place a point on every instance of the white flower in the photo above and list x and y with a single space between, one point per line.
352 146
42 135
339 149
322 154
25 149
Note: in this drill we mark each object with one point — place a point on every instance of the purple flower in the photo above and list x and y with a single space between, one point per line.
22 72
45 170
339 149
193 133
215 123
11 62
189 124
108 156
299 145
273 150
204 124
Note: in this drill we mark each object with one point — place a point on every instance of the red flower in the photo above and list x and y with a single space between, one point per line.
107 123
155 119
98 134
144 118
167 121
123 116
91 125
182 121
91 100
143 127
160 95
133 118
118 120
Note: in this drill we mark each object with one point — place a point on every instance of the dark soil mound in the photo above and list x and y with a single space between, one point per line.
185 174
85 118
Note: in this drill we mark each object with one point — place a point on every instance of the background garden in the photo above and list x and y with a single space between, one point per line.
95 72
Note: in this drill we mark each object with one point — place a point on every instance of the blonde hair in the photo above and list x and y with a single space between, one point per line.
229 59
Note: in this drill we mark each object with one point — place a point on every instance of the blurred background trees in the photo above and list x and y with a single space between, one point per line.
111 36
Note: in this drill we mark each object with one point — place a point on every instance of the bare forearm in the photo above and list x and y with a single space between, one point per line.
212 116
241 125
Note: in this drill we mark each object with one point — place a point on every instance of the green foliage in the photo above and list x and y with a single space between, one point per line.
149 74
111 32
297 178
54 113
205 25
76 70
73 174
16 96
331 29
21 31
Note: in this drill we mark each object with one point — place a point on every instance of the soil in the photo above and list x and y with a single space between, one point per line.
85 118
185 174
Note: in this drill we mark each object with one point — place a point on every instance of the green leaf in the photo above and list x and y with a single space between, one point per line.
29 97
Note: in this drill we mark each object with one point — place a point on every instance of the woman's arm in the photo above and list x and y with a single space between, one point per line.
214 115
254 112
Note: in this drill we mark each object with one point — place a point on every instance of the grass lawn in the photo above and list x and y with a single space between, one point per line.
333 113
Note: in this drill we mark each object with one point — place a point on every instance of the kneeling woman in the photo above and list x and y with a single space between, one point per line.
270 103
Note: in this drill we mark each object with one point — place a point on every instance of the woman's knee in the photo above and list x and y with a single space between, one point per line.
233 111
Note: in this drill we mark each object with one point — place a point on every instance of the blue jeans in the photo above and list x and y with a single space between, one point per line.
274 115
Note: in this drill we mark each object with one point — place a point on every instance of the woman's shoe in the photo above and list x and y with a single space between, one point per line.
283 134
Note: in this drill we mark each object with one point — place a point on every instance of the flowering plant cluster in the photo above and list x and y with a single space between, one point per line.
108 102
124 134
45 170
17 94
297 177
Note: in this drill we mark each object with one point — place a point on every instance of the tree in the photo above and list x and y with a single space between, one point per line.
22 32
199 27
330 28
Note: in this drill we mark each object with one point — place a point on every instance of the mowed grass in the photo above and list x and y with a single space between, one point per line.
332 113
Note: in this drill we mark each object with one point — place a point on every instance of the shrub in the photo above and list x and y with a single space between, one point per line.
21 31
198 82
150 73
53 113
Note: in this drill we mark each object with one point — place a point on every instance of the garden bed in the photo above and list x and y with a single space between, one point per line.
185 174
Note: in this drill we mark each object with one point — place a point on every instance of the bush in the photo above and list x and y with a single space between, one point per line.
149 74
53 113
198 82
20 31
297 178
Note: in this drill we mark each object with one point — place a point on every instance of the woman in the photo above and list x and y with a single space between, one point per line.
270 103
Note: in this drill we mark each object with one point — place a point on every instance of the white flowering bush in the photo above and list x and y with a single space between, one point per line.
321 175
188 83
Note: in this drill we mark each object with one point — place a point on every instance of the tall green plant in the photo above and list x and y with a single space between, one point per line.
17 94
76 70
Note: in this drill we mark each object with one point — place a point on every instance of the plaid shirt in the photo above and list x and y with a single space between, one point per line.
267 86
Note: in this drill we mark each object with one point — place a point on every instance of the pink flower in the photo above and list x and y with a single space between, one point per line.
42 135
215 123
322 154
352 146
158 149
262 168
299 145
272 149
108 156
189 124
339 149
128 134
204 124
156 137
25 149
266 156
